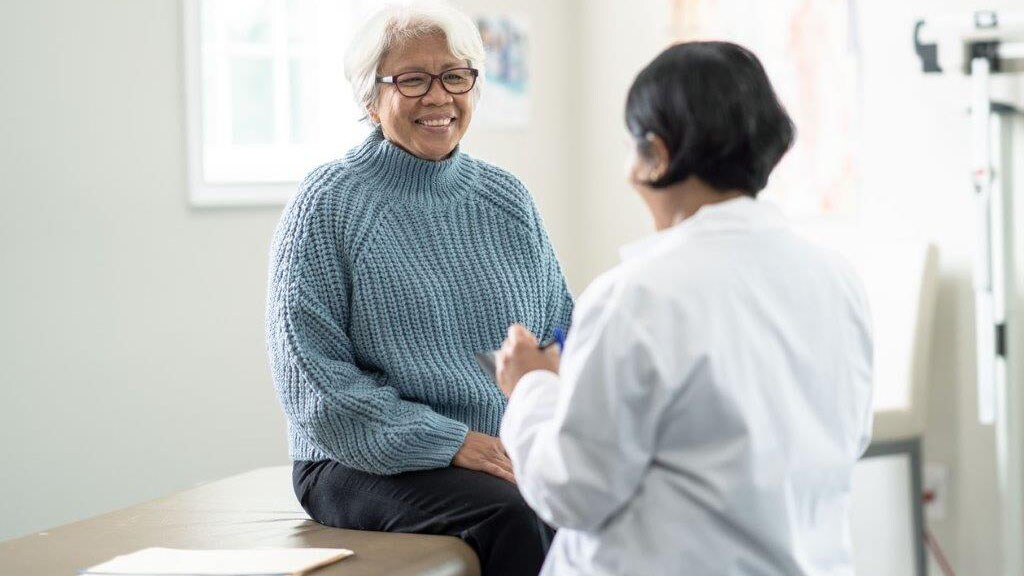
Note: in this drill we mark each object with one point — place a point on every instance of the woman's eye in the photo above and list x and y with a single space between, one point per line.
411 82
455 78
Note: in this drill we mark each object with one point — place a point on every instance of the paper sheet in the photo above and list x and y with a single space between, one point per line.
258 562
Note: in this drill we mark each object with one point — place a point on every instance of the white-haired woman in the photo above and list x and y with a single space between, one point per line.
389 269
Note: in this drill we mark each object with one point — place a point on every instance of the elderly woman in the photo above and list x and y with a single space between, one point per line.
715 392
390 268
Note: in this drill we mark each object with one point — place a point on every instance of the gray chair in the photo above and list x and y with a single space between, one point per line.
900 277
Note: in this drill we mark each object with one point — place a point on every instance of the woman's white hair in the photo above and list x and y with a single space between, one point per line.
394 25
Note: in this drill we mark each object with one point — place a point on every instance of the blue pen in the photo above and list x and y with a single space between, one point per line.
557 337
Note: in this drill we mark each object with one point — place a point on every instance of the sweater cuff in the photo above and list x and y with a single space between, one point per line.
434 445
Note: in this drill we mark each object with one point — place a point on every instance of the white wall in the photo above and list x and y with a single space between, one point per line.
132 360
133 356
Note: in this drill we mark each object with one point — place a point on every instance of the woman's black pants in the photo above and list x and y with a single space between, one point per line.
486 512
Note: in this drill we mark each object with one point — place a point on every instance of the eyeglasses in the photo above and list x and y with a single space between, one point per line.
416 84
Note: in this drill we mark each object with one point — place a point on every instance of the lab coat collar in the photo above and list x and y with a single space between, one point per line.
739 214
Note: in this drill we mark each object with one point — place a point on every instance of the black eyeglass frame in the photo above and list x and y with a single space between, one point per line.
395 79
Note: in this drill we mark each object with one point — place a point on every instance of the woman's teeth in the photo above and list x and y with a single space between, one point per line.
435 123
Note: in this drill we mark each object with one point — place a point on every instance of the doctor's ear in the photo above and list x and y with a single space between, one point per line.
655 155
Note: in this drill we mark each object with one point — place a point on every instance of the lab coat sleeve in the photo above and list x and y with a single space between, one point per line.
580 443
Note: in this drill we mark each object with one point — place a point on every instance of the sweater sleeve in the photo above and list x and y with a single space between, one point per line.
349 413
558 298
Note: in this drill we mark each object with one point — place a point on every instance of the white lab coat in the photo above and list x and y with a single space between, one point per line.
715 392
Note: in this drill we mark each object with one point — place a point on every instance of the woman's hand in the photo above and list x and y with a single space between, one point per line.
520 355
485 454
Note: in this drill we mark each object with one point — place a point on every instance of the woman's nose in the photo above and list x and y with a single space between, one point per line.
436 94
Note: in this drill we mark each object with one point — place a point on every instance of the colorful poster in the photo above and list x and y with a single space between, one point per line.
506 96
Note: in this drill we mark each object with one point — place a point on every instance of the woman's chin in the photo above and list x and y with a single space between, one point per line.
436 149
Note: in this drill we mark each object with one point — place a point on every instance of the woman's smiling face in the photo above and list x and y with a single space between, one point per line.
428 126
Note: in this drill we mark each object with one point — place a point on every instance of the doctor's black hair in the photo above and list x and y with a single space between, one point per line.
715 109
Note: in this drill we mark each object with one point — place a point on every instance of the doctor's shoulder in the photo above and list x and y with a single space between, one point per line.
845 273
636 289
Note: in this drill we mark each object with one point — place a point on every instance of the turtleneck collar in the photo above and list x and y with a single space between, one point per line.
405 176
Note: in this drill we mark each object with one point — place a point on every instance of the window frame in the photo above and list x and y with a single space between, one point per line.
200 192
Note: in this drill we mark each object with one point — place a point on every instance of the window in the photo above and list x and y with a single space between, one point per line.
266 97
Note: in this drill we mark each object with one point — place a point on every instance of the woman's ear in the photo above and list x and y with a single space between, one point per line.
371 113
657 157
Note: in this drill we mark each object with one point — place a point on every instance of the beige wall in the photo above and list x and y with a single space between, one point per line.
618 39
917 178
132 360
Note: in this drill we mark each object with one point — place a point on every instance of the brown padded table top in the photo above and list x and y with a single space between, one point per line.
251 510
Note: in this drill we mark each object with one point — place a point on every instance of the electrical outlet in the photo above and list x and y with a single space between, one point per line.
936 490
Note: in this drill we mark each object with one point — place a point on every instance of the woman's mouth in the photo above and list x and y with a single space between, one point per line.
436 122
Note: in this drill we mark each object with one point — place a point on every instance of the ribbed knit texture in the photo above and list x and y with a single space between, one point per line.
387 273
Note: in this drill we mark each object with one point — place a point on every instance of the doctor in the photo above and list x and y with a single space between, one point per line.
715 389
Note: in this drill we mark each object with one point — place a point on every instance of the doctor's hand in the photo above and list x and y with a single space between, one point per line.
485 454
520 355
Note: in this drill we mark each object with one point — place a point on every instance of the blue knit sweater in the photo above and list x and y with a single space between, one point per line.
387 273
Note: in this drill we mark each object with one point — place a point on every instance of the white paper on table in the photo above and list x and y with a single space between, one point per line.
257 562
